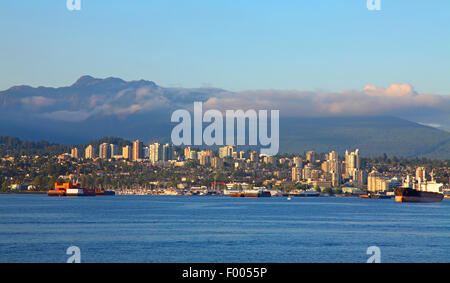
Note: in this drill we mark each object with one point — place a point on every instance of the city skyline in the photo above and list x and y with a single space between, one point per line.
321 172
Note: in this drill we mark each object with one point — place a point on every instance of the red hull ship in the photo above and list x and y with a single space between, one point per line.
70 189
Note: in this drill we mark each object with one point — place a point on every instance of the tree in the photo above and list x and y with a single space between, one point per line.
5 185
40 183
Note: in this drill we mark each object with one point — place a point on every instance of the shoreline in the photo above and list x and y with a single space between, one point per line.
24 193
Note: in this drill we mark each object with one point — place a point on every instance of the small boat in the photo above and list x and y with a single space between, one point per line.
378 196
251 194
309 193
105 193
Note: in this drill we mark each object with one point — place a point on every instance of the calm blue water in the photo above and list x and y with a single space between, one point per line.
37 228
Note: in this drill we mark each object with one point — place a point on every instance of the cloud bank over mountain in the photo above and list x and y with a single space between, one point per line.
397 100
90 97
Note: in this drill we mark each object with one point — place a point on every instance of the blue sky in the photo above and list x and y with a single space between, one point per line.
236 45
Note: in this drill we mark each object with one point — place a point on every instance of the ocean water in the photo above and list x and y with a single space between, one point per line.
37 228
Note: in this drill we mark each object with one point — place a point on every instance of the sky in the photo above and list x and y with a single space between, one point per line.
321 45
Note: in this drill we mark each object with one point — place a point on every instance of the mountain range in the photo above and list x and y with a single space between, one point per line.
92 108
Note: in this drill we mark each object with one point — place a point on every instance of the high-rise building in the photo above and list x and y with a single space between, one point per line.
359 178
298 162
74 153
204 157
114 150
307 172
335 168
377 182
226 151
296 174
127 152
89 152
193 155
167 152
138 150
104 151
146 152
155 152
187 153
311 156
352 164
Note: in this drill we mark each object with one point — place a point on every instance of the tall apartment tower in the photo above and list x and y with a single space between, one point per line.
155 152
187 151
89 153
127 152
74 153
335 169
138 150
114 150
296 174
352 164
298 162
167 152
104 151
226 151
311 156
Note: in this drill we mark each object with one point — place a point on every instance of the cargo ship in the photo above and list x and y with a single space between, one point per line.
403 194
419 190
70 189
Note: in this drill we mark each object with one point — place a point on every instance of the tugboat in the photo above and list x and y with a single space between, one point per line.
69 189
105 193
380 196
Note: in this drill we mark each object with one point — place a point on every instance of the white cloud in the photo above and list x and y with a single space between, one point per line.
372 100
67 116
37 101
